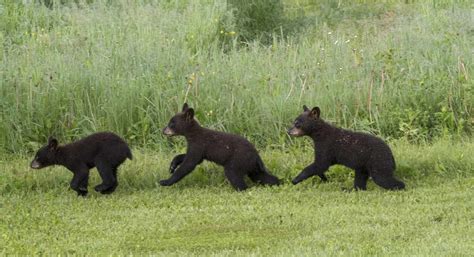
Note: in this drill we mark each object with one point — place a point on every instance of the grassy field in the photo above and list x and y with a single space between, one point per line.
399 69
203 215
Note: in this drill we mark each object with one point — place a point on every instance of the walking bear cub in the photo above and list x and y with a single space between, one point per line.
364 153
238 156
103 150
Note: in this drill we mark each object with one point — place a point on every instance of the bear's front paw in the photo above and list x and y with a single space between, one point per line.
165 182
294 182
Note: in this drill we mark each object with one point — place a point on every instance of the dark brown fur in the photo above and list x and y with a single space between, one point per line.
103 150
238 156
368 155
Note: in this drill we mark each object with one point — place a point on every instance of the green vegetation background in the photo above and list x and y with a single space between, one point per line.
396 69
399 69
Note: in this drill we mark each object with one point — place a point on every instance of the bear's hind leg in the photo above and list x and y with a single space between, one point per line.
360 180
260 174
109 181
389 183
381 168
112 189
269 179
115 173
235 179
382 174
264 178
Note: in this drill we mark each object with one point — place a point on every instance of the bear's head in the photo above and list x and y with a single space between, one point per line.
181 123
306 123
46 155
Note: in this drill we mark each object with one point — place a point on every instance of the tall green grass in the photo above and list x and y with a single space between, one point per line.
399 70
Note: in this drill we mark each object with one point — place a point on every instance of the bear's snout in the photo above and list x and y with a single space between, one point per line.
35 164
167 131
295 132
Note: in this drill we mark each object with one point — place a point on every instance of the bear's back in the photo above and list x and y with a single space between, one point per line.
105 146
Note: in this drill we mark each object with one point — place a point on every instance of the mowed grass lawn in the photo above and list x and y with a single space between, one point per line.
203 215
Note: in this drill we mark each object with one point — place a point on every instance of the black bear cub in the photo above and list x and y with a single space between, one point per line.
364 153
103 150
238 156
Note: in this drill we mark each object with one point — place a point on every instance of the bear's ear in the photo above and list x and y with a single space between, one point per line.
305 108
52 143
315 112
189 113
185 107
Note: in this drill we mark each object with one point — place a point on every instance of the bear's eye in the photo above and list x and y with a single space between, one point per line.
297 124
171 124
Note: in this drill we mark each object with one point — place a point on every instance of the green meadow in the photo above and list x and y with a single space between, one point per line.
401 70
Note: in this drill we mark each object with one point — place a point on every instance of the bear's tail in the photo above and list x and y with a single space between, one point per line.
264 176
